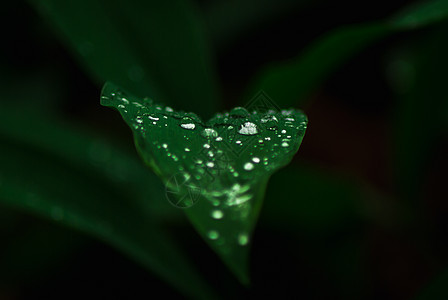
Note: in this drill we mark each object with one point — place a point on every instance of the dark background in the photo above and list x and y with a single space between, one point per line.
358 227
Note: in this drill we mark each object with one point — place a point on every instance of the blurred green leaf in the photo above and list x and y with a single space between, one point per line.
225 163
52 171
422 109
437 289
293 81
152 48
245 15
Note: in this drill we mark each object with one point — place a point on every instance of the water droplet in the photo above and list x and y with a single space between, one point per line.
248 166
243 239
187 149
213 235
153 117
283 131
120 106
255 160
206 146
210 164
217 214
218 139
139 120
239 112
165 146
209 132
238 142
189 126
248 128
169 109
285 144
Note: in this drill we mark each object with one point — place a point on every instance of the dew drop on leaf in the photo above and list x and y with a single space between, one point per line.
213 235
217 214
248 166
248 128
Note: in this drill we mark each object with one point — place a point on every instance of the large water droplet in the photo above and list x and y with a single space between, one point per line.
189 126
187 123
248 128
248 166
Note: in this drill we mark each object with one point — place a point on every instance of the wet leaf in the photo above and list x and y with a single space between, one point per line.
217 169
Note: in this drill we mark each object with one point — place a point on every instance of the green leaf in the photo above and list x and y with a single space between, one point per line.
62 175
245 15
155 48
220 168
421 112
293 81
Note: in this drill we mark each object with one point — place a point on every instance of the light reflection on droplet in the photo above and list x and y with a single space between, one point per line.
248 166
189 126
213 235
217 214
248 128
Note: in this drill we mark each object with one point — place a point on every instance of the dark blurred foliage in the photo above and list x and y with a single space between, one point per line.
361 213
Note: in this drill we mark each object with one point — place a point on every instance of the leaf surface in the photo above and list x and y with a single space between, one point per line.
217 169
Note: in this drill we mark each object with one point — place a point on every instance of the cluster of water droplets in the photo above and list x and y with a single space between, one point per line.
223 157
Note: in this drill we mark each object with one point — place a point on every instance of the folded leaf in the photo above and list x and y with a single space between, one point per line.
218 168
